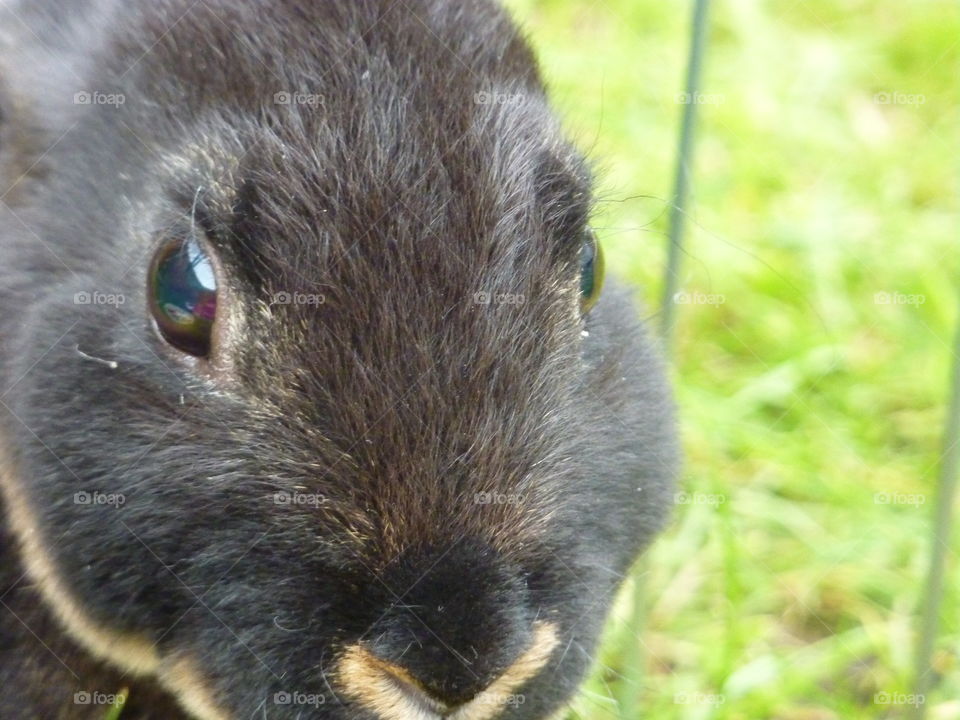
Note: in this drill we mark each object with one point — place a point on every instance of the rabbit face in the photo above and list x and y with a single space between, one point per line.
399 473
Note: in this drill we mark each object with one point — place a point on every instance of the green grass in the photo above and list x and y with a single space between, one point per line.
117 710
805 402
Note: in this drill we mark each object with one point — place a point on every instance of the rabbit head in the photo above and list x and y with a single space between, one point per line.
400 467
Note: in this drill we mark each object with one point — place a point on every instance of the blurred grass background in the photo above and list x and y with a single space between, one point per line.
811 361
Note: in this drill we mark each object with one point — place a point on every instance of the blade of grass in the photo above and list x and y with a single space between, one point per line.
684 166
630 697
946 492
118 703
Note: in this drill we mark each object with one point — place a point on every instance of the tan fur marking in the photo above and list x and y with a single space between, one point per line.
492 701
185 682
386 690
132 653
379 687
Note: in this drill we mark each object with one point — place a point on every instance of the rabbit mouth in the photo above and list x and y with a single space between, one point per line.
390 693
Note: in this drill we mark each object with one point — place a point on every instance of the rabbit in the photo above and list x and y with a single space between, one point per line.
313 401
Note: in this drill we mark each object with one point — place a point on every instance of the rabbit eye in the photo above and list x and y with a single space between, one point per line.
591 272
183 295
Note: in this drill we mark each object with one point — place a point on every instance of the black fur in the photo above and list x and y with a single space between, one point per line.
397 192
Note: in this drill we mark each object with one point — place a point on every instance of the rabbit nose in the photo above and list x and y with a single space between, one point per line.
391 692
440 680
427 697
457 623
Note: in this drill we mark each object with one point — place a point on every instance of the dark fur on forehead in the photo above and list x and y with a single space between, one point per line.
377 184
490 151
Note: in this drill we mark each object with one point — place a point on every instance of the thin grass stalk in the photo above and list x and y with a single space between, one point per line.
942 531
631 695
681 190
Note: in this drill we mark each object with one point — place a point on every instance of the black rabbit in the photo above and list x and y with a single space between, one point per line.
310 406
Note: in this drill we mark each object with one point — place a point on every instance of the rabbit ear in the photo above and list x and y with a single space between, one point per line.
23 77
46 74
45 59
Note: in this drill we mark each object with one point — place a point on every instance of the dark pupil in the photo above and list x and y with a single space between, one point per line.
588 276
184 296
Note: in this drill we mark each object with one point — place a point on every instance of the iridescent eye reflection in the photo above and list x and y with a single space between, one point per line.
183 295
